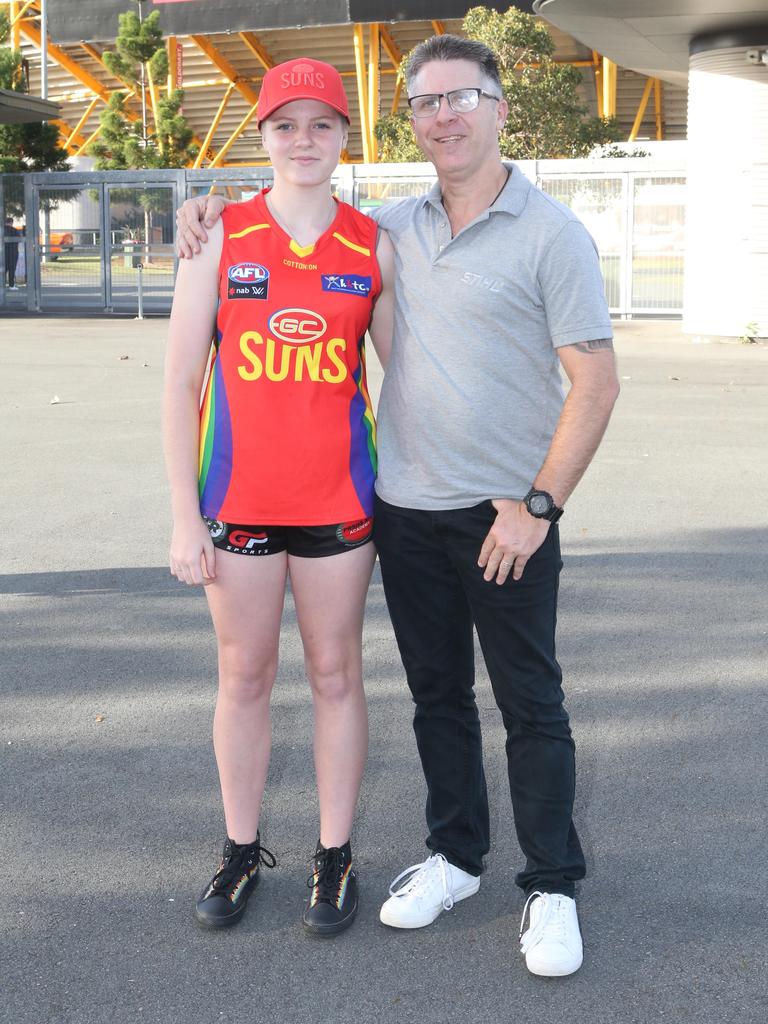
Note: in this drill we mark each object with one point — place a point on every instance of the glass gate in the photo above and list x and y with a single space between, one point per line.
142 264
69 272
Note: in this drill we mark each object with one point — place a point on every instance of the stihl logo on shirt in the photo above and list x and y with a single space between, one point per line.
247 281
350 284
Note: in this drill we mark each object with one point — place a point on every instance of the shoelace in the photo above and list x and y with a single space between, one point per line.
231 868
417 877
328 868
550 913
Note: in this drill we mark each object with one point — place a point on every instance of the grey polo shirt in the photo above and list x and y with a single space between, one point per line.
472 393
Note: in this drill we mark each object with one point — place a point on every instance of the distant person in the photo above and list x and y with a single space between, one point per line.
11 233
498 287
274 479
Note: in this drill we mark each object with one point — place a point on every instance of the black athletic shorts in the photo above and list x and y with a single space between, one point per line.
304 541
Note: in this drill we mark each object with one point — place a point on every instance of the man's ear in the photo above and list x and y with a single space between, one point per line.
502 111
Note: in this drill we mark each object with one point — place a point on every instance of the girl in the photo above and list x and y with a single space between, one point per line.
273 476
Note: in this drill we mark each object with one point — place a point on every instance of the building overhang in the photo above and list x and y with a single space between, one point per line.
18 108
653 37
70 21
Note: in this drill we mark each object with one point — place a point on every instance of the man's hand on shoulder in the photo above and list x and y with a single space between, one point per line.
513 538
192 218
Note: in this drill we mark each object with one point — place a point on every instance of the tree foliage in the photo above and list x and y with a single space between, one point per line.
545 116
24 147
125 142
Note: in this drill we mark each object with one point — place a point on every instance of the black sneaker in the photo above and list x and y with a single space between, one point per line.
224 899
333 903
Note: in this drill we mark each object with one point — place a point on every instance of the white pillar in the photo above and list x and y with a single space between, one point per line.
726 263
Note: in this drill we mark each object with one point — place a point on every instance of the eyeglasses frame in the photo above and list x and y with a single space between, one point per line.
447 95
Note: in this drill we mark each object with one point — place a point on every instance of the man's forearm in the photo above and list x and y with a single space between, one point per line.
579 431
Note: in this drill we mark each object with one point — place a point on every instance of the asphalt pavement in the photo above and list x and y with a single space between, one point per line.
111 819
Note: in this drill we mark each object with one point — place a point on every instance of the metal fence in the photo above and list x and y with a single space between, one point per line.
103 242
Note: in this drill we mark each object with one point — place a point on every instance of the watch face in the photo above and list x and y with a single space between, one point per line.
539 504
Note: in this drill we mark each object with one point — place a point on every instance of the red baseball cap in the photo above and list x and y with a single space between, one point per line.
301 79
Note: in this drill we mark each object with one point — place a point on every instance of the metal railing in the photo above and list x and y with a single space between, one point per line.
90 241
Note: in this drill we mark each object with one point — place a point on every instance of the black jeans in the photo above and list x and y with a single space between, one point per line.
435 592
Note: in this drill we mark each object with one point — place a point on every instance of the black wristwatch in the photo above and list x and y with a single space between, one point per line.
541 505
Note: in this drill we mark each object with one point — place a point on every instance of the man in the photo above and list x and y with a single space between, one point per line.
498 285
11 252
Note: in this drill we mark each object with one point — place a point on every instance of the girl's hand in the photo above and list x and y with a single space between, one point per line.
193 556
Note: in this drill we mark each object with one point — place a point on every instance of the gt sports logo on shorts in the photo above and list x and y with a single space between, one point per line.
246 541
247 281
297 326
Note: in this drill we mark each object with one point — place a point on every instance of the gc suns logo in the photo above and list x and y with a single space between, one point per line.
247 281
297 326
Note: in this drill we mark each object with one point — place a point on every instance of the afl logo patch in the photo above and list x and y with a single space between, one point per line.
297 326
351 534
247 281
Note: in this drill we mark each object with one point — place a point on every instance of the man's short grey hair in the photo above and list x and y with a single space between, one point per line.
448 47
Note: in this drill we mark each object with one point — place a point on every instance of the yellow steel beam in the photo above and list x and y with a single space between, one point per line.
439 28
87 142
32 32
396 97
152 95
20 13
362 91
228 70
74 141
389 44
214 125
76 130
596 64
658 99
16 26
259 51
374 62
609 78
217 160
641 110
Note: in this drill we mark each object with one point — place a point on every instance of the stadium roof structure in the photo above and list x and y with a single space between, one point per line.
220 52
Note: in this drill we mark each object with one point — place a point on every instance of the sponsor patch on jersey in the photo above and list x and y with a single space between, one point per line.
350 284
351 534
247 281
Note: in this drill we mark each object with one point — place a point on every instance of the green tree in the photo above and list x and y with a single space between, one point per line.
127 143
24 147
545 117
124 142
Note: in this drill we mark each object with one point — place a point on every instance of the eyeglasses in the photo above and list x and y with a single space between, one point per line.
461 101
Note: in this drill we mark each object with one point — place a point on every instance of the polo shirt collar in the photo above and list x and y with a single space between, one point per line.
513 196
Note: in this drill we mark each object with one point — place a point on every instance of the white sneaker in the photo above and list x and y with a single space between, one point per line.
552 945
427 890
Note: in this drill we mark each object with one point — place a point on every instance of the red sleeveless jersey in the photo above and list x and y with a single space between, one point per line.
287 434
